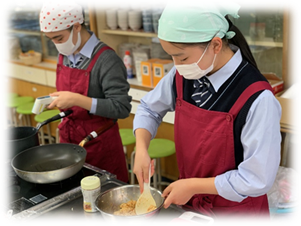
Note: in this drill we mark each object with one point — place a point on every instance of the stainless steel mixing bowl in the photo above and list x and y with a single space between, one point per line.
109 201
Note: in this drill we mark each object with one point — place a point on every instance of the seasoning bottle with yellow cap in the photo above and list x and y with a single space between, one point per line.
91 189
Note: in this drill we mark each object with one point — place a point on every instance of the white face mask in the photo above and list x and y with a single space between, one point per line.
67 48
193 71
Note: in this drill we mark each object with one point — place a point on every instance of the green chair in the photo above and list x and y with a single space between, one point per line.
14 102
158 148
127 138
41 118
6 97
24 112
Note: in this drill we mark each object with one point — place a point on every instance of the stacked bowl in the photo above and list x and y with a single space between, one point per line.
156 13
135 19
111 18
147 20
122 16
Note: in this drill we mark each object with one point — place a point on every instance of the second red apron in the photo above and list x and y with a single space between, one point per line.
205 148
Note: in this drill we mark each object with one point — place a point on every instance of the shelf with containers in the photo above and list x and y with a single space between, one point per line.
115 34
266 32
140 38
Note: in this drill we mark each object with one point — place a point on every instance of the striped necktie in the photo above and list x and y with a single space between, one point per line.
77 63
203 91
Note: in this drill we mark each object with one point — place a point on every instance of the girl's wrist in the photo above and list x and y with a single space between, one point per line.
202 185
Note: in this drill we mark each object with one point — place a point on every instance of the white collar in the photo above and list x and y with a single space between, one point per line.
218 78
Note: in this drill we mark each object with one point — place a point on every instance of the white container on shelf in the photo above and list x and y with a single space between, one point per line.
140 54
135 19
122 16
127 60
111 18
138 70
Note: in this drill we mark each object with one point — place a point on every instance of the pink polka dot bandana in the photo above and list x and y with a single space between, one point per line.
56 16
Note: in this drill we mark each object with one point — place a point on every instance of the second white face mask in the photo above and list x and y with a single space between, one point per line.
67 48
193 71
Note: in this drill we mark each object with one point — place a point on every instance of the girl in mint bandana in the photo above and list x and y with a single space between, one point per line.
227 120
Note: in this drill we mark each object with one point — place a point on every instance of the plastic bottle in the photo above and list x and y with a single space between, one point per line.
91 190
127 60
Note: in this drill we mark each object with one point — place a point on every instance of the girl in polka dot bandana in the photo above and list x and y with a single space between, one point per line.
89 78
55 17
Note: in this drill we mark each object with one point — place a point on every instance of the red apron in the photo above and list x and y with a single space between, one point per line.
205 148
104 152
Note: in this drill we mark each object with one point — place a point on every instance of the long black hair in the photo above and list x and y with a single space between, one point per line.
240 41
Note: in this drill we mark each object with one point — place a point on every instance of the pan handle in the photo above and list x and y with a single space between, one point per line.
99 131
61 115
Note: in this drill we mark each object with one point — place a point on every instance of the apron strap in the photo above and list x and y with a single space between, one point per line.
247 93
94 59
179 85
61 58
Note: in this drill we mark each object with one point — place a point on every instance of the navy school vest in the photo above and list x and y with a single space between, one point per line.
226 96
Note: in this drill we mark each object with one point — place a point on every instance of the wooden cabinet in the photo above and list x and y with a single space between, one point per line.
10 85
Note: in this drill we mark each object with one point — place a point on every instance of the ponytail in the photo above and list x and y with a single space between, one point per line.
240 41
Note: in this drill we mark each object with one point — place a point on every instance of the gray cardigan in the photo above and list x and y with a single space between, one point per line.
108 84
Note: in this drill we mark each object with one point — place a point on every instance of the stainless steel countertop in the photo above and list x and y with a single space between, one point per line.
72 212
74 209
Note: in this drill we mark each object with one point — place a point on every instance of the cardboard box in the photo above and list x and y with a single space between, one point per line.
160 69
153 70
290 112
146 72
275 82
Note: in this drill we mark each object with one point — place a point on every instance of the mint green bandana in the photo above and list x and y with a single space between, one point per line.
196 21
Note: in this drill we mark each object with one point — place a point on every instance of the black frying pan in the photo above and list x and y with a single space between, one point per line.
24 137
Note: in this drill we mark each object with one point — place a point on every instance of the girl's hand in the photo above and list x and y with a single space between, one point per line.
141 167
65 99
181 191
178 192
